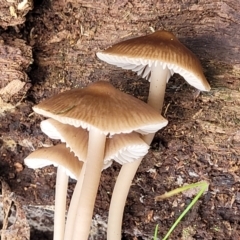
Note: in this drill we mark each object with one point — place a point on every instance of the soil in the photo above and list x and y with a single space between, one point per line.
201 141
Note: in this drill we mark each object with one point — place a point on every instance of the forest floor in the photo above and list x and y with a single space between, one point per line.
201 141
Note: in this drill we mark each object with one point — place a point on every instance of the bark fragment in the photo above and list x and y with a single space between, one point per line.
15 58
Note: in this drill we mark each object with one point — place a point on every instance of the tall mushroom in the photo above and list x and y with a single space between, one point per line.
103 110
68 165
156 57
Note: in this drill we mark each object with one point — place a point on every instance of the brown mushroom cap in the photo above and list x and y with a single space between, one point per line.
75 138
159 48
57 155
102 106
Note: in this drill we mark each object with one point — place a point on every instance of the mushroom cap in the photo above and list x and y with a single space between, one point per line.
122 148
102 106
125 148
75 138
159 48
58 155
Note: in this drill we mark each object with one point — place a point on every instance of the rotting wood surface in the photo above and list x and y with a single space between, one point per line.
15 58
13 12
210 29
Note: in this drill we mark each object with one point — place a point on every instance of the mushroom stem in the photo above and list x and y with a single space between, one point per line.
120 193
94 164
60 203
158 81
118 200
71 216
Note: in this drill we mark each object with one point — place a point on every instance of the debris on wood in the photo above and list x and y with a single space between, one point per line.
17 228
4 107
13 12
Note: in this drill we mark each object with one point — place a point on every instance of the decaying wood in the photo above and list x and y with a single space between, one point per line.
210 29
13 12
15 58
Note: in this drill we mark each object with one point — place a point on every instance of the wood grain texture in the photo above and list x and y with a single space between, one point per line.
211 30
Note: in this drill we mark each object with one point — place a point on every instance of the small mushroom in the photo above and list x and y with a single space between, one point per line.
156 57
102 110
68 165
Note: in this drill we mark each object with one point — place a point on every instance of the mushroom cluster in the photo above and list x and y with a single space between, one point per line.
99 124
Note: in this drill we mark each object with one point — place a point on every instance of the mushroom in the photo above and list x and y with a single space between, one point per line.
68 165
156 57
103 110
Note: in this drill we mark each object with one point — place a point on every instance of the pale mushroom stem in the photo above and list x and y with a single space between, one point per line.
60 204
71 216
118 200
158 81
94 164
